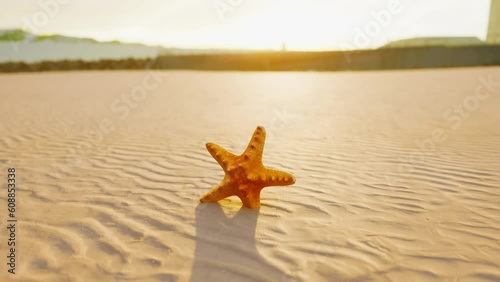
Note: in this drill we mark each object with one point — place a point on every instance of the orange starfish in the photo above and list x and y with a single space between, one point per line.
245 174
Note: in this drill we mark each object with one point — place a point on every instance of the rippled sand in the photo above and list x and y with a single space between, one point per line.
109 187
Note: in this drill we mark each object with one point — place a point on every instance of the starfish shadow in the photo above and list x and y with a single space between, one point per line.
226 246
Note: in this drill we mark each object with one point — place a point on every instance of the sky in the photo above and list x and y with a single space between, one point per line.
250 24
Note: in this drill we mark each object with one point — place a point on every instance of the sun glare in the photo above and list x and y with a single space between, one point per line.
272 26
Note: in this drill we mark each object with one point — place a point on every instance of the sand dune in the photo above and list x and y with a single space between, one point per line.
392 183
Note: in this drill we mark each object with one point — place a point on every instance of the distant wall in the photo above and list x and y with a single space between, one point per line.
69 65
48 50
397 58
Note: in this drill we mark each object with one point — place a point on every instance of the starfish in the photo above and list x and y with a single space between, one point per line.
245 175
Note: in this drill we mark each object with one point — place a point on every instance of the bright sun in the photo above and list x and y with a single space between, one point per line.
294 24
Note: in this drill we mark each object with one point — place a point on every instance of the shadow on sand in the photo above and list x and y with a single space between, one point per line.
226 246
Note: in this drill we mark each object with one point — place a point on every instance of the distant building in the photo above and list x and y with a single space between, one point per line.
494 26
493 35
434 41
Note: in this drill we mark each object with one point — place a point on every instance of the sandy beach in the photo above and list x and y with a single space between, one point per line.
397 175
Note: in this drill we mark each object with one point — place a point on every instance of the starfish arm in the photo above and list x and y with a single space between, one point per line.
221 191
255 148
273 177
221 155
250 196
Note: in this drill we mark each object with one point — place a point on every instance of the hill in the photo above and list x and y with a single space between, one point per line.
21 46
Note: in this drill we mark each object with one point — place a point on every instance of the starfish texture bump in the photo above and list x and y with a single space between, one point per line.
245 175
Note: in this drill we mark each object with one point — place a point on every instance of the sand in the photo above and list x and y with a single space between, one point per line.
392 183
